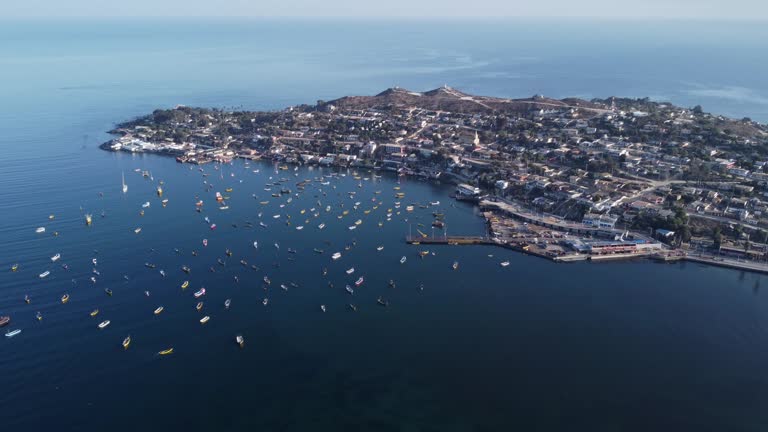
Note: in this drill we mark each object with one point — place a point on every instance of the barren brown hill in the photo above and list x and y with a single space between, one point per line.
449 99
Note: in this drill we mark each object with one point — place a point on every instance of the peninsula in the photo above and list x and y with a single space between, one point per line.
564 178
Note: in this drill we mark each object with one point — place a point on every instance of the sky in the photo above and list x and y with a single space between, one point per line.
671 9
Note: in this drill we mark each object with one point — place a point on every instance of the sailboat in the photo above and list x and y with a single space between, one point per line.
125 186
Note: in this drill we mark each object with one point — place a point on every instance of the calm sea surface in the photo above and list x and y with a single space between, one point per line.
533 346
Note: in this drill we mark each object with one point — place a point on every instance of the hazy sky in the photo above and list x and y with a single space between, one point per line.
698 9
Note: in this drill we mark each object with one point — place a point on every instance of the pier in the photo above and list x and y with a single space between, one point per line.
452 240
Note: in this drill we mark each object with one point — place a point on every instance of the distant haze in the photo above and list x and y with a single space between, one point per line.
675 9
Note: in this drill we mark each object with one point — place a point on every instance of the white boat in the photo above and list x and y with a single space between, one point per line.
351 270
321 226
104 324
403 259
349 289
12 333
125 186
277 216
380 248
265 301
200 293
262 224
505 263
227 302
240 341
255 245
56 257
159 310
300 227
137 230
205 319
44 274
40 230
336 256
435 203
145 205
359 281
352 227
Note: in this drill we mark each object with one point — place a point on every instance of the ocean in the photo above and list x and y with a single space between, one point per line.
532 346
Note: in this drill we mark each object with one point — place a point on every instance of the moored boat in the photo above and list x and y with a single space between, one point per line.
104 324
65 298
12 333
159 310
200 293
359 281
205 319
240 341
165 352
44 274
126 342
4 321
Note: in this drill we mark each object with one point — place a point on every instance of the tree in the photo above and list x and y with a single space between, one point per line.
717 236
698 109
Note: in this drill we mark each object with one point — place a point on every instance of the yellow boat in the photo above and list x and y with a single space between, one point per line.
303 211
424 253
199 306
94 312
185 285
166 352
422 234
396 188
345 212
14 267
358 222
65 298
126 342
367 212
228 190
264 202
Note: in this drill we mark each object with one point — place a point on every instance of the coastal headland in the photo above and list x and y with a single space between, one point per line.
566 179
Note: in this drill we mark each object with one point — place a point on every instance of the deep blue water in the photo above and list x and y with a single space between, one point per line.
534 346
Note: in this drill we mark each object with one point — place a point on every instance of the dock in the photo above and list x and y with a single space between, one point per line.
451 240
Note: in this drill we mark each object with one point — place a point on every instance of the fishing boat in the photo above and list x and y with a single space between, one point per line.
403 259
14 267
40 230
240 341
4 321
12 333
199 306
349 289
165 352
108 291
56 257
455 265
505 263
350 270
200 293
336 256
205 319
94 312
44 274
126 342
104 324
227 302
159 310
359 281
125 186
